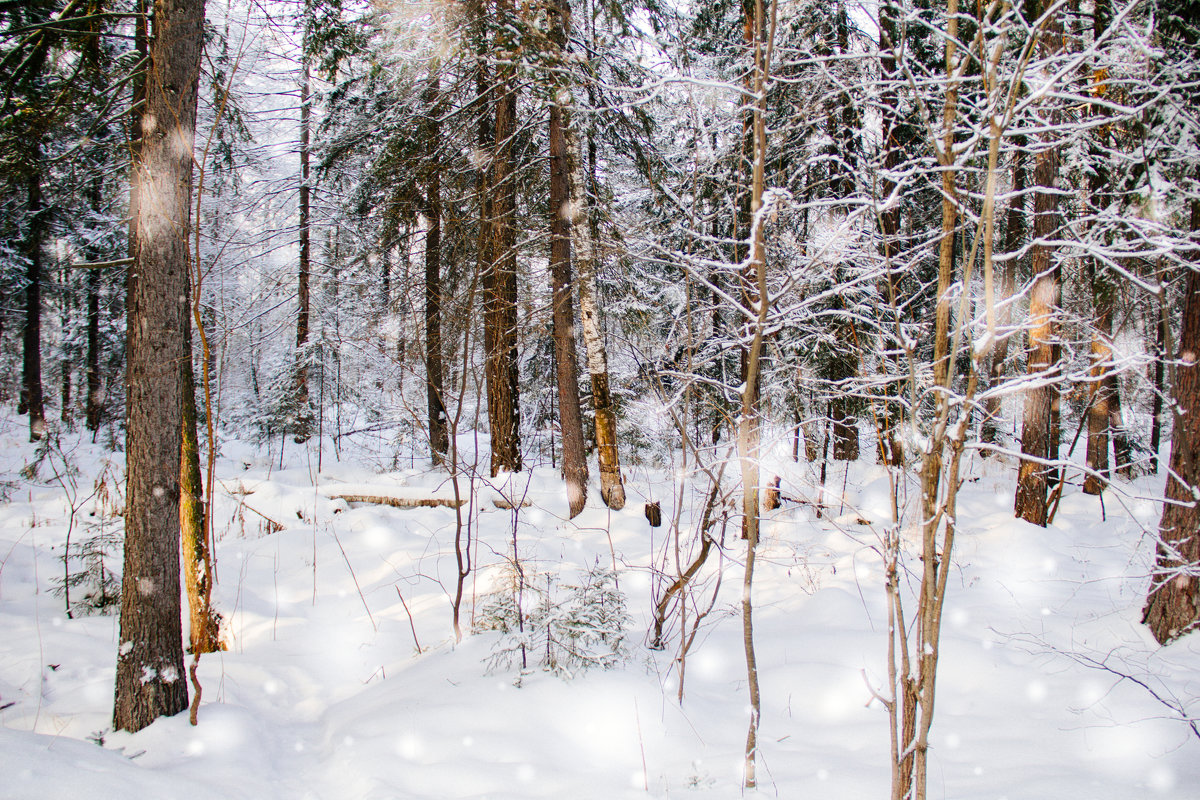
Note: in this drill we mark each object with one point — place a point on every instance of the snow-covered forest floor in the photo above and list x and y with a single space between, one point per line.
1048 685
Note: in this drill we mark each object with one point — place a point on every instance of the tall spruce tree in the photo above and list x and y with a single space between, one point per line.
150 676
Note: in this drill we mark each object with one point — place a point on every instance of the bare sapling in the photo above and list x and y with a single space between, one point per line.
914 637
196 514
757 302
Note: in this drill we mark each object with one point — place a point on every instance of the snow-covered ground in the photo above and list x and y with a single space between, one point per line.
329 689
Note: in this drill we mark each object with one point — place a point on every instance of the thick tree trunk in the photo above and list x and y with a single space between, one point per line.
1173 607
32 402
574 464
150 675
302 424
438 438
1032 476
500 304
1042 330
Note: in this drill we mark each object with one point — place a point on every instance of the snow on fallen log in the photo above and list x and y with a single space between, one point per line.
400 502
394 496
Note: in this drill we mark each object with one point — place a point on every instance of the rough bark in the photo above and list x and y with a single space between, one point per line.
94 408
1033 476
1102 294
845 428
137 112
32 402
500 302
150 679
301 424
574 463
1099 390
1173 607
438 439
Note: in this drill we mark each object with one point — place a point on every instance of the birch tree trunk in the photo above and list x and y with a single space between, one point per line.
612 489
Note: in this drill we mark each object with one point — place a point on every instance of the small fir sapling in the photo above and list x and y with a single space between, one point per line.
565 629
89 585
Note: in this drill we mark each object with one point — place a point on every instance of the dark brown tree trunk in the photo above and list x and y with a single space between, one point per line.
1102 293
500 309
1099 389
438 439
1160 354
150 676
32 402
891 451
385 276
67 305
845 429
574 464
94 405
1033 476
1174 602
1122 450
302 424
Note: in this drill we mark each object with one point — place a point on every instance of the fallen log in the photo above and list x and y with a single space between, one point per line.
400 502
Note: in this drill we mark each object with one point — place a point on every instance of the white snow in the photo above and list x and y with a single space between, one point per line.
323 694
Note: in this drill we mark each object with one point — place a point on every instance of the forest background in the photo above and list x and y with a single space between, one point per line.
780 237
